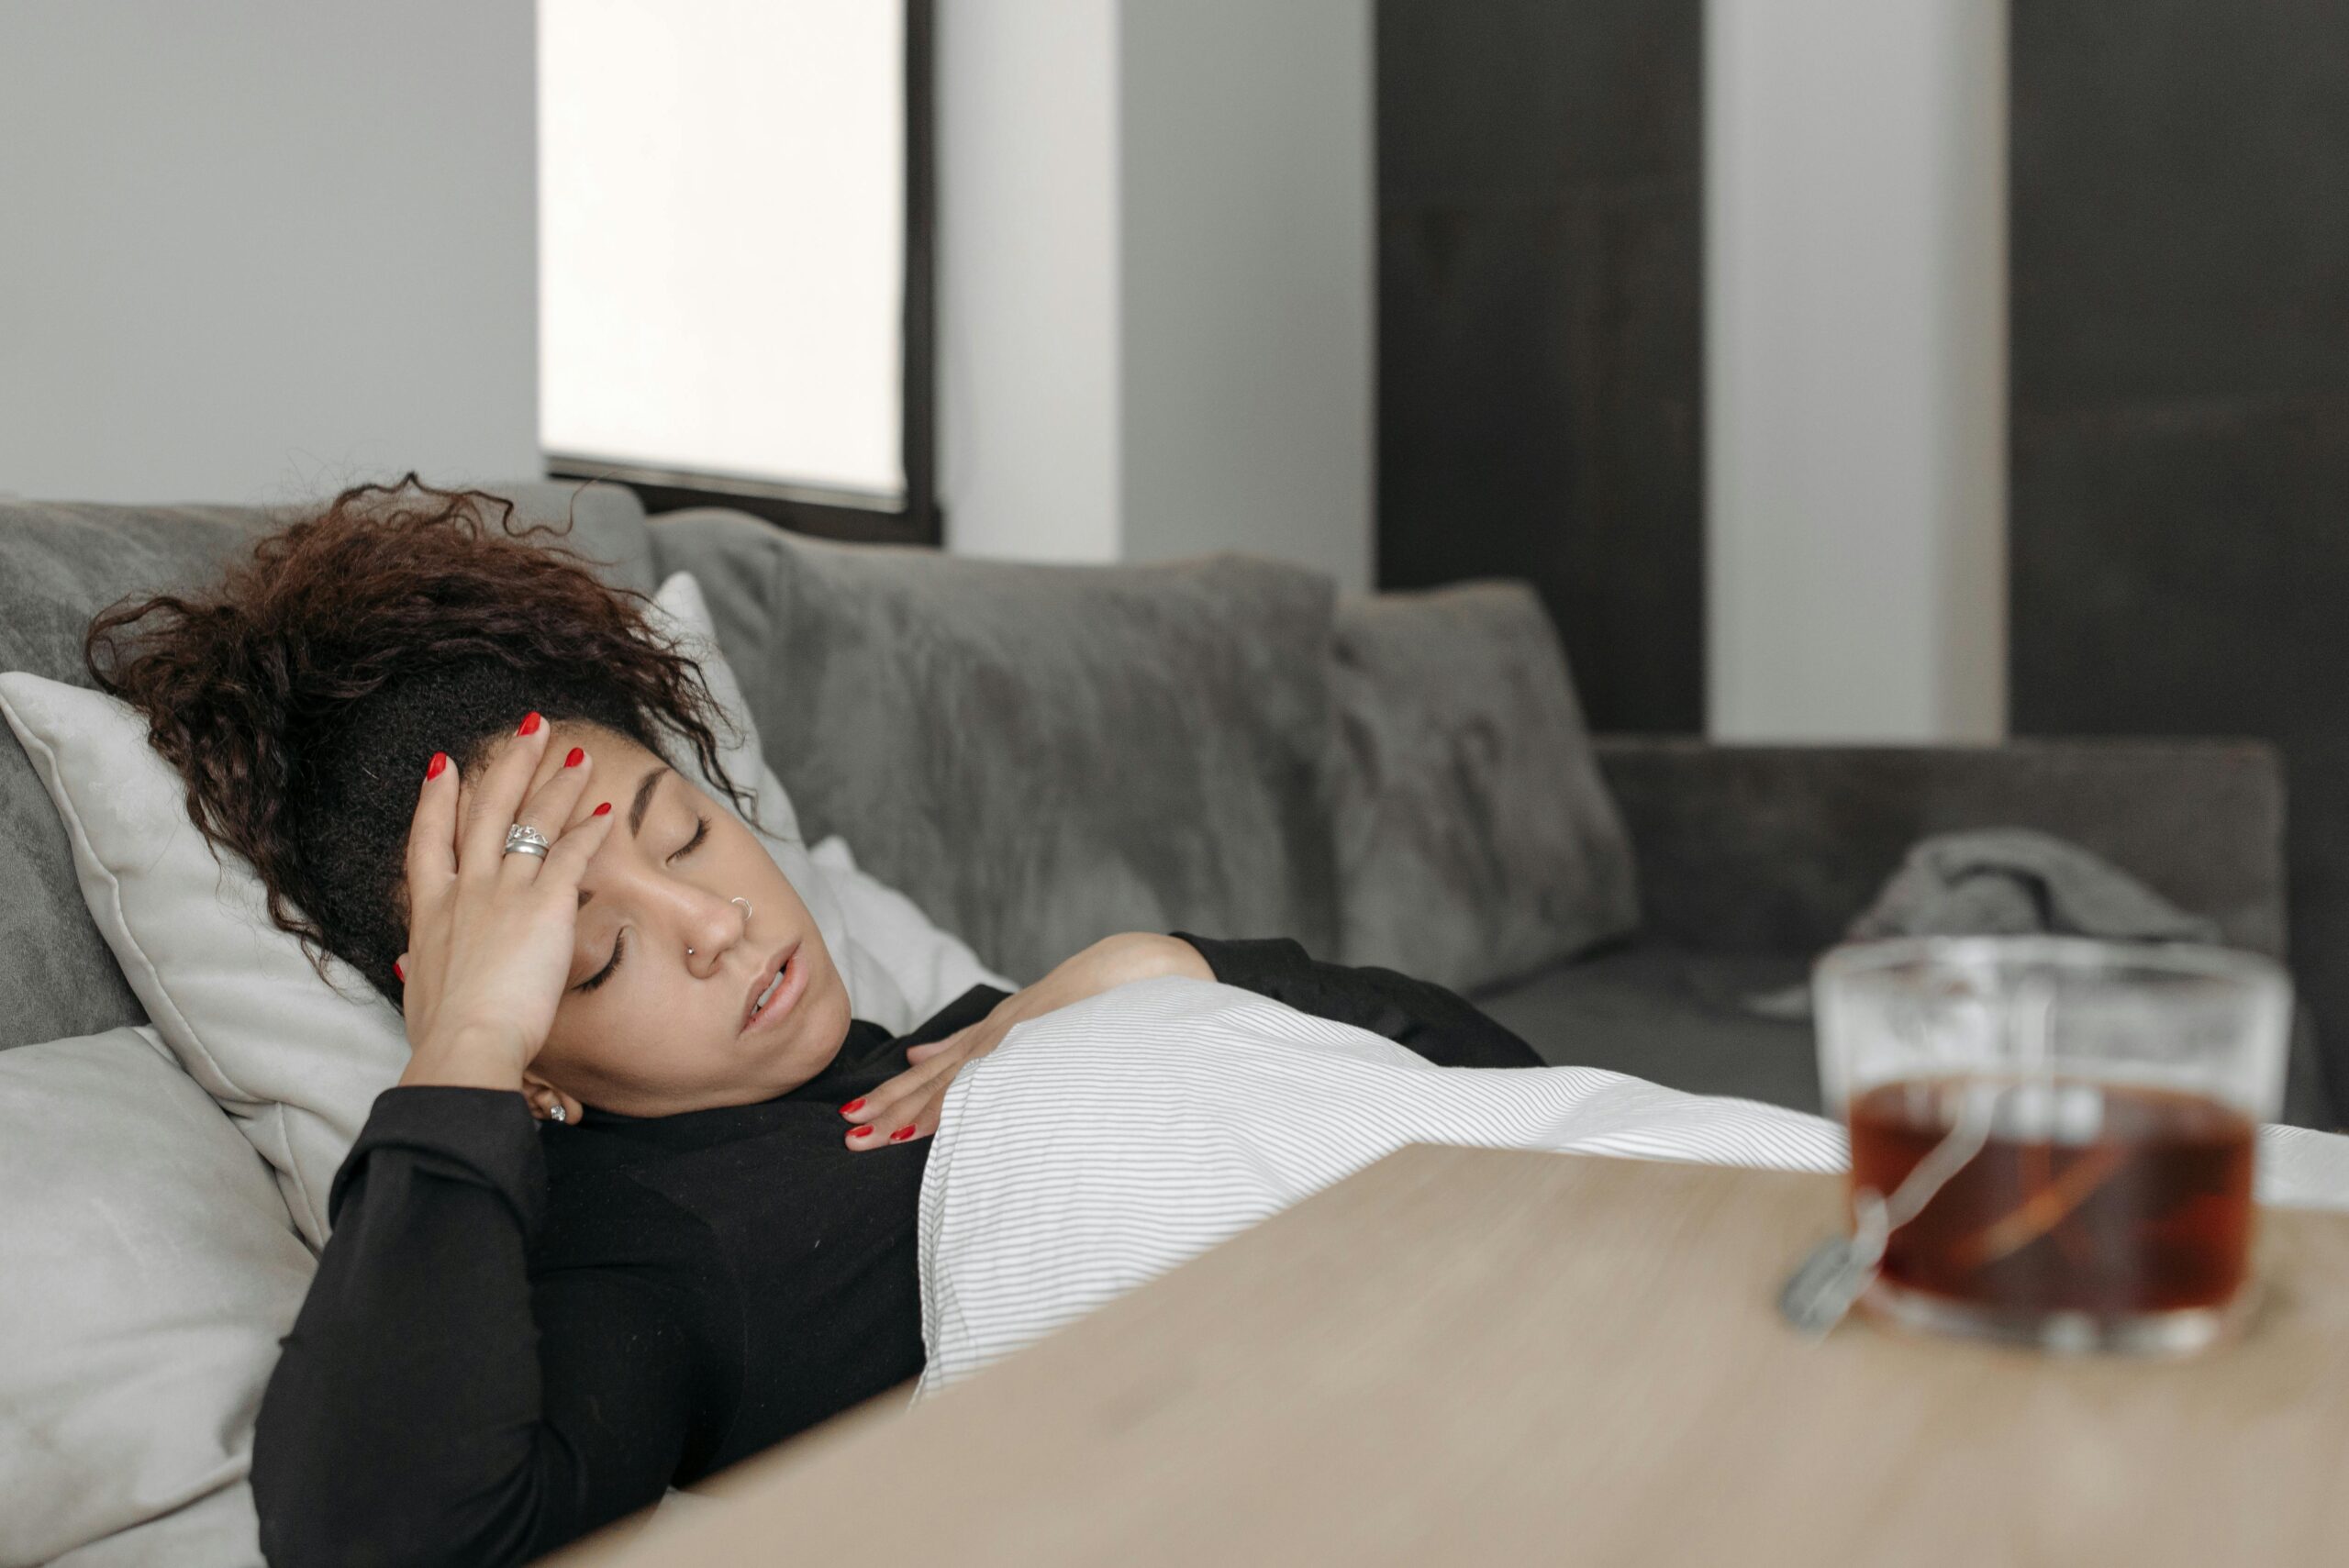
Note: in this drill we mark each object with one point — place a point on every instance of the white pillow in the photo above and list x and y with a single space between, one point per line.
892 943
299 1062
147 1271
294 1061
214 1531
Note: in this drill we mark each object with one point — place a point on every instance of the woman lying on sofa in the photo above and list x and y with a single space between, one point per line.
643 1202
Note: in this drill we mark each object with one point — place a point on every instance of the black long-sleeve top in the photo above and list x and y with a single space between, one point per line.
520 1332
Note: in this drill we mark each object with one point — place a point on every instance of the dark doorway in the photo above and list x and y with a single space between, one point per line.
1540 351
2180 504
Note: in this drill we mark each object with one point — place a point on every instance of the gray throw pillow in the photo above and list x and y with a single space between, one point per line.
1476 842
1040 756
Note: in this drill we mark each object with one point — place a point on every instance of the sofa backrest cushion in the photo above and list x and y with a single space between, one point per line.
1476 842
58 566
1041 755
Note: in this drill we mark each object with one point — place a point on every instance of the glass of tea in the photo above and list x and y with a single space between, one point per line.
2054 1137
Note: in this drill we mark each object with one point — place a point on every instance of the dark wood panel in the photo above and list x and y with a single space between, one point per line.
1540 345
2180 489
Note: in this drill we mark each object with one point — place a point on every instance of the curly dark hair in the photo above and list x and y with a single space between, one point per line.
303 694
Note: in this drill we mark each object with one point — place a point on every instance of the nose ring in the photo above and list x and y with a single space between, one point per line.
747 913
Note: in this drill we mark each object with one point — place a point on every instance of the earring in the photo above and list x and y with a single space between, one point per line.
558 1114
689 953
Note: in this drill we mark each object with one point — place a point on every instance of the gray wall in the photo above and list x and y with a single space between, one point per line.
1154 279
1540 295
256 247
1027 408
1856 369
1245 277
2180 497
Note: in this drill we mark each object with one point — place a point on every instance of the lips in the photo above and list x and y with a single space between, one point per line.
778 985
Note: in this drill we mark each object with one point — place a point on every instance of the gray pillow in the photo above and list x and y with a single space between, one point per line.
60 564
1476 842
1041 755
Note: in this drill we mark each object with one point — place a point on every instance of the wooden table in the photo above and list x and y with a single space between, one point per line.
1464 1356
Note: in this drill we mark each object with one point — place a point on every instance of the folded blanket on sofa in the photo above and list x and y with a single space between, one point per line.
2006 881
1104 1144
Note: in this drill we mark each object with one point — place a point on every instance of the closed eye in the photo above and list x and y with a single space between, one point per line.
619 944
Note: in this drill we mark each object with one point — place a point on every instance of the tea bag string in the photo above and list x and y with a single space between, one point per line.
1952 1154
1823 1287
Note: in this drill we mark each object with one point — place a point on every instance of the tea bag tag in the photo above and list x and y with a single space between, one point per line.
1822 1290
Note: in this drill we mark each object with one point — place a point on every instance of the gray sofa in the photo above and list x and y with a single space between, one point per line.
1754 857
1038 754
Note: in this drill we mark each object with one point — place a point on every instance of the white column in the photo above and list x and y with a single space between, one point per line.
1855 367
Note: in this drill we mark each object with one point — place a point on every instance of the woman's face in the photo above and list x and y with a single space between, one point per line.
657 1013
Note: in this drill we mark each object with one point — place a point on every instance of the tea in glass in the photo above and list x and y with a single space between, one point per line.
2098 1107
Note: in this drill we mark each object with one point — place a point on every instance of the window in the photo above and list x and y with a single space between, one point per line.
734 256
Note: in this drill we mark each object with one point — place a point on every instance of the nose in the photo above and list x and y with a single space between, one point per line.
710 927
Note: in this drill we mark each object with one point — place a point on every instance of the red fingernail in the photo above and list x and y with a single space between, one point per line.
603 810
439 761
576 757
529 724
853 1107
862 1133
398 972
902 1133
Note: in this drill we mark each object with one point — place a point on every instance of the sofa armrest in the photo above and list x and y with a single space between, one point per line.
1774 848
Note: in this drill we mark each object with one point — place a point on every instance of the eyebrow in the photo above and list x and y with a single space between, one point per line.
644 787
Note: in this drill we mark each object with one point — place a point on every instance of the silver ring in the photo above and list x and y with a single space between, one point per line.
524 840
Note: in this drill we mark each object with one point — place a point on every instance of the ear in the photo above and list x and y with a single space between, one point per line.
544 1097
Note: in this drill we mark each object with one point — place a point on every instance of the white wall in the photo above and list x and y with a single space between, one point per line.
1155 254
256 247
259 248
1855 341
